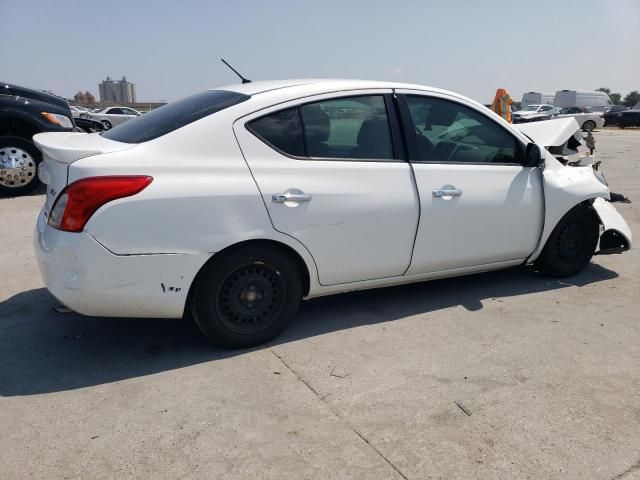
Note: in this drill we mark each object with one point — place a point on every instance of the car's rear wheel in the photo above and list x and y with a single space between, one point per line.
19 160
589 126
247 296
106 124
571 244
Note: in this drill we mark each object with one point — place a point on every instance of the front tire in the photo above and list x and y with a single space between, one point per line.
589 126
247 296
106 124
19 161
571 244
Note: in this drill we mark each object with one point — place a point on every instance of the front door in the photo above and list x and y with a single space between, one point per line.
332 175
479 205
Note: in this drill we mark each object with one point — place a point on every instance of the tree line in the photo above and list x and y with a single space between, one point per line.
630 100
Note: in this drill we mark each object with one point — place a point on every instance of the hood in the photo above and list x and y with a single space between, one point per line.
28 93
563 133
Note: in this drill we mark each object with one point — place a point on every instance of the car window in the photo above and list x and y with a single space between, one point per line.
114 111
281 130
173 116
349 128
128 111
546 108
448 132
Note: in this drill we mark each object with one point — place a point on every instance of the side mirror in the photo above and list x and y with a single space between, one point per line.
533 157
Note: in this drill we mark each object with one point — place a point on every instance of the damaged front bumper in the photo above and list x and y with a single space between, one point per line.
616 235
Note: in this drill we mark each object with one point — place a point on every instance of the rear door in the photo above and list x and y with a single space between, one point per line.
479 205
332 175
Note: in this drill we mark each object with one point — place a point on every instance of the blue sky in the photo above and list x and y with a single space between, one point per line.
171 49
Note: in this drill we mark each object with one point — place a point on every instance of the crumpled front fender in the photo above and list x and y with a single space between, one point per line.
616 237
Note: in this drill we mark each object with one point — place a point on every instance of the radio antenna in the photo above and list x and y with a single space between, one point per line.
244 80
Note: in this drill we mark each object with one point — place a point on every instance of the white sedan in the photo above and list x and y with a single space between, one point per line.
112 116
588 121
234 204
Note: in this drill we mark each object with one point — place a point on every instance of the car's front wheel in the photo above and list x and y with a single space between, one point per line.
589 126
571 244
106 124
19 160
247 296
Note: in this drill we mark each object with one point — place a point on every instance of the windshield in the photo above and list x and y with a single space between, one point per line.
173 116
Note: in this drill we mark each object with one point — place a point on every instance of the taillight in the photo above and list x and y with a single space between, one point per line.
78 201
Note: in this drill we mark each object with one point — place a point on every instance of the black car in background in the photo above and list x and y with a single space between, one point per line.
611 117
23 113
629 118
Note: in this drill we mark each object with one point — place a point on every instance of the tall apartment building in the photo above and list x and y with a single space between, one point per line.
117 91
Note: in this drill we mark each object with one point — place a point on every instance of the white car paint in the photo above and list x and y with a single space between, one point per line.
369 224
583 118
532 110
113 116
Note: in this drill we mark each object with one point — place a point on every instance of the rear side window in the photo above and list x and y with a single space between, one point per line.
282 130
349 128
173 116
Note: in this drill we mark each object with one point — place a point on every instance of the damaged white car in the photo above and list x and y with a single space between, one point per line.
234 204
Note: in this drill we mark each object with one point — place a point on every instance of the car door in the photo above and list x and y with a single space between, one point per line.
332 175
479 205
114 116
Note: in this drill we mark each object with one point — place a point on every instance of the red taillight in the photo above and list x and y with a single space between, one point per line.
78 201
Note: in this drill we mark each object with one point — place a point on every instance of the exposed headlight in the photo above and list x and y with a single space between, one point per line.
57 119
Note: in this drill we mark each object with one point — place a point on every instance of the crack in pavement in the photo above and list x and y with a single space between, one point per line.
340 417
631 469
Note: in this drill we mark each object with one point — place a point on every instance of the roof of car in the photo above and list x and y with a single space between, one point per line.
321 84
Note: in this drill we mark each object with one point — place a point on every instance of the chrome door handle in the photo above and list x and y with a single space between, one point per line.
290 197
454 192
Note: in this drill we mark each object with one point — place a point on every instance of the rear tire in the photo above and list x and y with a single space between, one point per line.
247 296
589 126
19 162
571 244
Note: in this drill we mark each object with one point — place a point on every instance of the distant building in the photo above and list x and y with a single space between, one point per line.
117 91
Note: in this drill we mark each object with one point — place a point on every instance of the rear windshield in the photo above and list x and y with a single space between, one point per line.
174 115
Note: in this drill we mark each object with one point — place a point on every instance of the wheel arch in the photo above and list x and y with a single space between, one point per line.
550 226
303 268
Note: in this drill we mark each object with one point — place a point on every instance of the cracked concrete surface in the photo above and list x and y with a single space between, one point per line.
363 385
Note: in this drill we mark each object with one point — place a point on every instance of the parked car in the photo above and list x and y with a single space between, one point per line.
23 113
277 196
611 117
587 121
113 116
629 118
78 111
532 110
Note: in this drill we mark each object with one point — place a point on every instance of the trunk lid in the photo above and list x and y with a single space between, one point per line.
61 149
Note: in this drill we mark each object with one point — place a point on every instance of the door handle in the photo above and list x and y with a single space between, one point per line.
290 197
454 192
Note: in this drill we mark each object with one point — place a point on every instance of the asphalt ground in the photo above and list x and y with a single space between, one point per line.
500 375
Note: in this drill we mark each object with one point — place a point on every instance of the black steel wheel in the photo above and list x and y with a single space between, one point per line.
247 296
571 244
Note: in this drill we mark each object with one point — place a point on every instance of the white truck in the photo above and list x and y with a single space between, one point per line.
581 99
537 98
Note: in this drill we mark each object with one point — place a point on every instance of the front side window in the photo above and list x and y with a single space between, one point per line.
448 132
114 111
349 127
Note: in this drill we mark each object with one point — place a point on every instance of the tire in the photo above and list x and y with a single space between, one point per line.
571 244
19 162
589 126
247 296
106 124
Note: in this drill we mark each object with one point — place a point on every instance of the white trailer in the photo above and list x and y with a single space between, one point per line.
581 99
537 98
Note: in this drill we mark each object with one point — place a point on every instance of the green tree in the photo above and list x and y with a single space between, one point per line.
631 99
615 98
605 90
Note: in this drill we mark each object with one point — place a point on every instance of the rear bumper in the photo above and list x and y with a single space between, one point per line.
89 279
